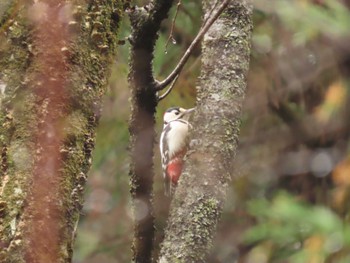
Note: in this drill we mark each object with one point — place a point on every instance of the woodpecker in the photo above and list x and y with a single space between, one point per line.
173 145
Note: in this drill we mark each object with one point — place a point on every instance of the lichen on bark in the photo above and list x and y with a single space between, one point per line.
200 195
53 77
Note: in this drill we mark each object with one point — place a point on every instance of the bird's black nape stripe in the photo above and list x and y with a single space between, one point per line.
179 120
172 108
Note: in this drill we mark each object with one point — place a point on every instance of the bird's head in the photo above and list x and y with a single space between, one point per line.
176 113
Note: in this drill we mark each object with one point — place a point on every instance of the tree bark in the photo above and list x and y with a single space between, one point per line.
200 195
55 58
145 22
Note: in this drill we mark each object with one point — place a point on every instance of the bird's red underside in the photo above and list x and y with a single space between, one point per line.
174 170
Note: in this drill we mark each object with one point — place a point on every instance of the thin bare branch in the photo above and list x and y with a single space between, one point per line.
161 85
169 89
171 35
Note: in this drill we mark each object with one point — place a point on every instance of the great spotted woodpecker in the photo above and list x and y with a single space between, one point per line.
173 145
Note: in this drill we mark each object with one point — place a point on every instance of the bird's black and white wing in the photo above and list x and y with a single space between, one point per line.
164 150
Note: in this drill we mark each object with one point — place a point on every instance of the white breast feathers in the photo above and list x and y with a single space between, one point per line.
177 136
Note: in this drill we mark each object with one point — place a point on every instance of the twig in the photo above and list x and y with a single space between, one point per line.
161 85
171 35
169 89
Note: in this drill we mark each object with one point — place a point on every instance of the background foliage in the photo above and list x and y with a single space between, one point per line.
289 200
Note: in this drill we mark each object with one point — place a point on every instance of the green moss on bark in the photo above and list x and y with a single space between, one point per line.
87 72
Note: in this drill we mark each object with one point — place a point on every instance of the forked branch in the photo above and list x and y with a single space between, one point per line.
214 15
160 97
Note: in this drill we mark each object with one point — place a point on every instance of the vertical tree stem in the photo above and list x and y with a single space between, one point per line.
145 27
199 198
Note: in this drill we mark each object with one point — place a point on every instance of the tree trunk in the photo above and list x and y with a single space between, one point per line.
200 195
54 62
145 26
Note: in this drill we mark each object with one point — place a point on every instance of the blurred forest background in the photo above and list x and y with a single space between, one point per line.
289 198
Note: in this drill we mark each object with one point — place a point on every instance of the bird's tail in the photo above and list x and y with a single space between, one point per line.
167 186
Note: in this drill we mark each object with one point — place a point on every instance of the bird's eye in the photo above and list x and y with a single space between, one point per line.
177 113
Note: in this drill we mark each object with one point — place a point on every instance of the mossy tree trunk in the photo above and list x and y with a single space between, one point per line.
200 195
55 57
